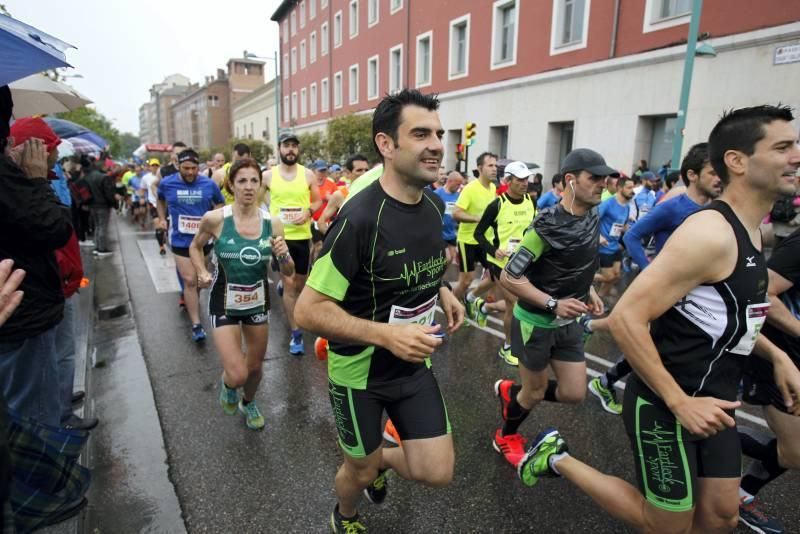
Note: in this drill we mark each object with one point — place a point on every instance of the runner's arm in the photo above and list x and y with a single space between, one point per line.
209 229
520 286
281 250
460 210
656 220
334 203
316 198
786 373
488 220
779 315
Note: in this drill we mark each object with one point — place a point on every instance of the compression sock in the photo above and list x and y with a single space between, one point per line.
550 392
762 471
619 370
515 414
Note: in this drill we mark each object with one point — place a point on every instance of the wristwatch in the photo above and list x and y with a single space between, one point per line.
551 305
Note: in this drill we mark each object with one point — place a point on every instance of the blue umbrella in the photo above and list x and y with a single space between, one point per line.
91 137
27 50
64 128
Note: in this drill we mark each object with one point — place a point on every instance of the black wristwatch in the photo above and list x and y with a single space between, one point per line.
551 305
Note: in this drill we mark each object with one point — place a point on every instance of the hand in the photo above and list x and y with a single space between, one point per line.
34 159
787 378
162 224
570 308
704 416
10 296
453 309
500 254
301 217
204 279
279 246
412 342
596 306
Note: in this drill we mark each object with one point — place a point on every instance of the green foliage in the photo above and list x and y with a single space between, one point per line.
350 134
312 146
260 150
98 123
128 143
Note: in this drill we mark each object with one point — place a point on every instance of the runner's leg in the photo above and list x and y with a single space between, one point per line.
190 293
228 341
717 507
256 337
428 461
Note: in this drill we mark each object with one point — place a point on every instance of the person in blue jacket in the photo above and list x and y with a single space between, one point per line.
552 197
449 194
614 217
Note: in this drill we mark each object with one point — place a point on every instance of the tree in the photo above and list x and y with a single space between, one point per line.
313 146
260 150
128 143
99 124
350 134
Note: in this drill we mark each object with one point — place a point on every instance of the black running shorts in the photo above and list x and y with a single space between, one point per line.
184 251
607 261
415 406
759 384
469 256
536 346
256 319
300 250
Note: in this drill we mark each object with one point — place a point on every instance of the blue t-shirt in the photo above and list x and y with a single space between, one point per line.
547 200
449 225
135 184
613 217
661 221
643 202
186 205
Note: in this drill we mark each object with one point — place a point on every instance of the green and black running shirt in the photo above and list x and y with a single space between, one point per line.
383 261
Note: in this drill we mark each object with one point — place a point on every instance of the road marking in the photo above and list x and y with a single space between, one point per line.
597 359
161 268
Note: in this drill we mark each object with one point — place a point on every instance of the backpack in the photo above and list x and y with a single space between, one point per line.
783 209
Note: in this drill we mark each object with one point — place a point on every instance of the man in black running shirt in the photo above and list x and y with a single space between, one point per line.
706 317
373 294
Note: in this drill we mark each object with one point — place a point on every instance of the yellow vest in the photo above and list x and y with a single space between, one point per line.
225 194
290 199
511 222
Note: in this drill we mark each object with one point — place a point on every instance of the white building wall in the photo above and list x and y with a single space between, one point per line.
256 110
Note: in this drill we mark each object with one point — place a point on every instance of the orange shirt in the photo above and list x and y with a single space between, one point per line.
327 188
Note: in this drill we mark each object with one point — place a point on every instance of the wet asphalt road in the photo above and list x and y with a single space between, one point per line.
231 479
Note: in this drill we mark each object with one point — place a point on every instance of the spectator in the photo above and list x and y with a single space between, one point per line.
102 189
552 197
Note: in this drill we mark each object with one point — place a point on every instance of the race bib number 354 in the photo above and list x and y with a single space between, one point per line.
244 297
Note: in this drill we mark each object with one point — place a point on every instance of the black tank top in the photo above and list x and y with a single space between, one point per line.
705 337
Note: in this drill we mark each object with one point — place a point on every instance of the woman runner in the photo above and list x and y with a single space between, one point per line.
244 240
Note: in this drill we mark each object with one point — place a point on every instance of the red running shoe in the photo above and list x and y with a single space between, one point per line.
511 446
502 388
321 348
390 433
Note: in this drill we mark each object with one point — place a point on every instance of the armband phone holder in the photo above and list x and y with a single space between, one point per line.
519 262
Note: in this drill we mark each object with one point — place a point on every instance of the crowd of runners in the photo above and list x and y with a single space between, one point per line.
363 252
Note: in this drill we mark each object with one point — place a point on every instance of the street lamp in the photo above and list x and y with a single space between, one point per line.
692 50
276 88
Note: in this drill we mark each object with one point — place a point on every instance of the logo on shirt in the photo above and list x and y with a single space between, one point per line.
750 262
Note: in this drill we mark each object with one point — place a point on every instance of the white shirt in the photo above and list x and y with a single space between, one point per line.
148 184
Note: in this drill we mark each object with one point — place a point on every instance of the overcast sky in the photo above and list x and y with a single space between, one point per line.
125 46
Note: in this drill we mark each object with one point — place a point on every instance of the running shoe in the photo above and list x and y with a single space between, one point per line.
511 446
752 516
506 356
253 417
478 315
584 321
390 433
162 250
502 390
279 288
467 308
228 398
376 492
607 396
536 462
321 348
102 253
296 347
198 334
345 525
87 243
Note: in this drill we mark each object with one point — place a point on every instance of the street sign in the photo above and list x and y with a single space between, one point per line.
787 54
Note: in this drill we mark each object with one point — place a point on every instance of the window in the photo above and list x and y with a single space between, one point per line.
324 39
266 129
285 111
293 22
325 95
395 6
504 33
312 9
373 77
559 142
373 14
294 105
237 132
312 54
302 14
659 14
303 106
294 60
323 4
285 31
570 25
352 86
353 20
337 29
396 69
459 48
424 58
498 141
285 65
312 94
337 90
303 54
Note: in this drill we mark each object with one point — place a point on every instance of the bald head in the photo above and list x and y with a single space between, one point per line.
454 181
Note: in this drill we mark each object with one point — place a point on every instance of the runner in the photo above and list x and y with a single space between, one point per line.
611 188
149 186
138 202
705 318
294 196
327 188
377 313
474 198
508 216
645 198
552 197
551 276
449 194
187 196
220 174
172 167
772 456
703 185
244 239
354 168
614 219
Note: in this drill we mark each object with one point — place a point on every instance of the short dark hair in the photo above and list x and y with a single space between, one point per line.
740 129
558 178
240 164
179 144
352 159
621 181
694 160
386 119
482 157
242 149
672 178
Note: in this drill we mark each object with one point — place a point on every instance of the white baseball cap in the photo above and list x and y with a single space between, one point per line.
518 169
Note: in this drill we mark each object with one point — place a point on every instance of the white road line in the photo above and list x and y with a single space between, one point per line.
597 359
161 268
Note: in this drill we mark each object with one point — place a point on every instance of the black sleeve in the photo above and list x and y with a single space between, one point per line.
109 190
488 220
30 209
785 259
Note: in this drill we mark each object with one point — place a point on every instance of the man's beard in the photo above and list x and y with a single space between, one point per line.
288 159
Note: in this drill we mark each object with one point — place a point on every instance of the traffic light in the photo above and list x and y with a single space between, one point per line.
470 133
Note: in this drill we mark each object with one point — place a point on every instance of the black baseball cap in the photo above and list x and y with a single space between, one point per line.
586 159
288 136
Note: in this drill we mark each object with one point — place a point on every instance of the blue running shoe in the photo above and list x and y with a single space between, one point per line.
751 515
296 347
198 334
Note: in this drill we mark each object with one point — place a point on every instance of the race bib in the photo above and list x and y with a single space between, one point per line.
290 215
449 207
244 297
513 244
188 224
755 315
422 314
616 230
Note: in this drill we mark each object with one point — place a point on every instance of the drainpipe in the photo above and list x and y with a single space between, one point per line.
407 52
614 29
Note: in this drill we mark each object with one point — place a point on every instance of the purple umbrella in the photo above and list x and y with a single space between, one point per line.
69 130
82 146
